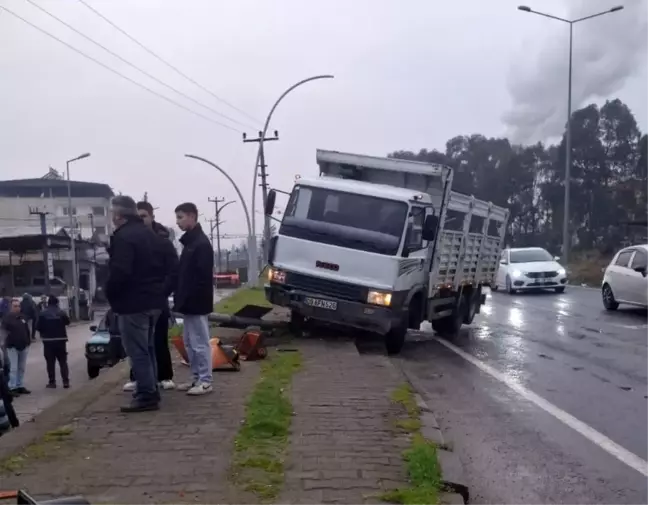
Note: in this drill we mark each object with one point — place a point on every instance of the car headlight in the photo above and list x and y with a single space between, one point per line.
92 348
562 271
277 276
100 348
379 298
516 273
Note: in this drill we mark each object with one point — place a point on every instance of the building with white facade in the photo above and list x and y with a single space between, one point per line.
20 202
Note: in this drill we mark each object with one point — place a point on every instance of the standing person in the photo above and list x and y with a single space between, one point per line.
135 290
30 311
17 341
194 297
52 326
161 333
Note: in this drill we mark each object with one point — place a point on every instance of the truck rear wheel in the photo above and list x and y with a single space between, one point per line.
450 325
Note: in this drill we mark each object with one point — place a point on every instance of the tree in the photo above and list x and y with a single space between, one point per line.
608 184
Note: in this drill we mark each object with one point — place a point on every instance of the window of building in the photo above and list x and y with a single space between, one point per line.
99 211
66 211
100 230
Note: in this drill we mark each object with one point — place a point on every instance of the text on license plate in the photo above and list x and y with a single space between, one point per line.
320 304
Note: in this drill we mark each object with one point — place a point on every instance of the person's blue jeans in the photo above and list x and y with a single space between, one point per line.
17 364
196 340
137 332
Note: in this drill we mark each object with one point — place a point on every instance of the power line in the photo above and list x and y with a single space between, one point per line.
159 95
172 67
147 74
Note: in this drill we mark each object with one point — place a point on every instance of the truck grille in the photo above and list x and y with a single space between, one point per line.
541 275
326 287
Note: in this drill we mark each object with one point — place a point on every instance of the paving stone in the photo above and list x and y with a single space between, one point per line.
342 430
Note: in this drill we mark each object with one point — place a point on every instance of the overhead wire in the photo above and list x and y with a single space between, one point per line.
171 66
147 74
133 81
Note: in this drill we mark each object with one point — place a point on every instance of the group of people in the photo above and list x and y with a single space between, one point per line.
17 331
144 270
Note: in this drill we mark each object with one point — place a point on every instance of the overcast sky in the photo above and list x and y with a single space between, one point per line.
409 74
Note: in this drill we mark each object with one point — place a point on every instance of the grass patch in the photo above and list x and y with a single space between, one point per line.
420 458
42 448
260 445
587 267
239 299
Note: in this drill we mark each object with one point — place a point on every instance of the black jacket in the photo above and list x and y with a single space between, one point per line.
52 323
18 335
137 269
29 308
170 261
194 287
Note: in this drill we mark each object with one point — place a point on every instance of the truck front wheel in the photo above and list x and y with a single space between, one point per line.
297 322
395 339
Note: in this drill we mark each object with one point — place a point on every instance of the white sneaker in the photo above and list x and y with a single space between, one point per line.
167 385
185 386
130 386
200 389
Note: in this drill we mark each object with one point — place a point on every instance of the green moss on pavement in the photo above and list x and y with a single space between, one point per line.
421 461
260 445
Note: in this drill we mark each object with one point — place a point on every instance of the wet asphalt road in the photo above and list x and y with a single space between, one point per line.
567 349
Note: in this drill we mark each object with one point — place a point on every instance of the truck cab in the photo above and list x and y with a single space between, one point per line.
356 245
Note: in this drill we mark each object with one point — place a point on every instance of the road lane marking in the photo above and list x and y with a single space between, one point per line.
605 443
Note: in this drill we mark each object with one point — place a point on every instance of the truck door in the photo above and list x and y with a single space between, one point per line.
417 247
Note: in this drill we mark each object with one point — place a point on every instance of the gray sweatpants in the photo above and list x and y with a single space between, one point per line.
196 341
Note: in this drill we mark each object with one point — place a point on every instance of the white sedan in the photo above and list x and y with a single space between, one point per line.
529 268
625 278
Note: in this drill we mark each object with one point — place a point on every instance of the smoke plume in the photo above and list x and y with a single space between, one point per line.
607 51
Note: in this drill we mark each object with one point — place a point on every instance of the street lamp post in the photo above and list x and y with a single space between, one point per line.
260 159
566 240
217 223
252 263
75 268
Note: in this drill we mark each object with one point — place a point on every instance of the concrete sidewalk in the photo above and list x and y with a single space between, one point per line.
343 446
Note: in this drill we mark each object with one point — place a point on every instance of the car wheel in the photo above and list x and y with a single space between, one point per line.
609 302
494 287
93 371
560 289
509 286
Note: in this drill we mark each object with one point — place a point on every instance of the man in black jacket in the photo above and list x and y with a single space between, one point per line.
52 326
194 297
16 343
161 333
136 290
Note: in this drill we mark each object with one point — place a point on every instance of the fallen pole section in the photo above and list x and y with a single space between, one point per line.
237 321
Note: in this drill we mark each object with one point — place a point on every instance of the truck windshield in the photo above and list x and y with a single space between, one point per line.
344 219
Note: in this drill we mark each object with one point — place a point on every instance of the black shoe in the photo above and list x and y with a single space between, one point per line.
66 385
14 392
51 385
23 391
140 407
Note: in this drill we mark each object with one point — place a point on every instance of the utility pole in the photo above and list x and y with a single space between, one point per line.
94 242
47 260
264 186
215 223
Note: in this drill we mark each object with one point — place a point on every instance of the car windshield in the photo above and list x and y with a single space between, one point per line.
530 255
349 220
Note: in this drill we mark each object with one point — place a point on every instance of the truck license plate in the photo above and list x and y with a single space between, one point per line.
320 304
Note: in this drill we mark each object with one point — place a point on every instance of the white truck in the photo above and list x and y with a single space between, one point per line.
383 244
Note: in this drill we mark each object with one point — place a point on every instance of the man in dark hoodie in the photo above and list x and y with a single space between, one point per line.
52 326
162 353
136 291
16 342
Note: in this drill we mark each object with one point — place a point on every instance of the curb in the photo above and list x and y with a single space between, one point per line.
61 413
452 470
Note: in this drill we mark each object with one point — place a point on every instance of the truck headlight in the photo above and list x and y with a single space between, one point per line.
277 276
379 298
561 271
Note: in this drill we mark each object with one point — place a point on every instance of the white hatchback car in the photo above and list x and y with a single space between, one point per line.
529 268
625 278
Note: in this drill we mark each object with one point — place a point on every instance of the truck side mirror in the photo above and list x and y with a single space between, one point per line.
272 247
430 226
270 202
